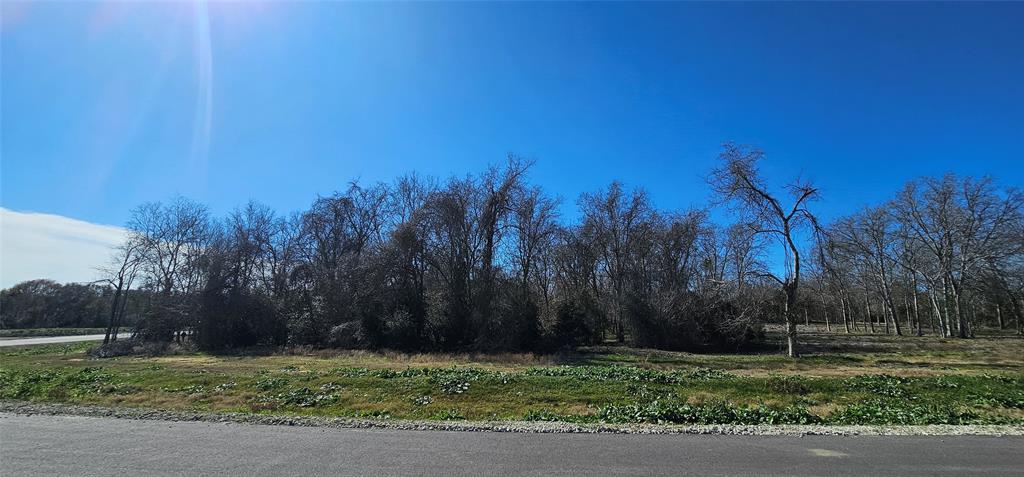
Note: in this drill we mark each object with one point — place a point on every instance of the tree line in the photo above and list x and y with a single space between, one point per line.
47 304
944 254
485 262
478 262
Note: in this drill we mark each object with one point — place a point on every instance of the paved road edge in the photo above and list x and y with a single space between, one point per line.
30 408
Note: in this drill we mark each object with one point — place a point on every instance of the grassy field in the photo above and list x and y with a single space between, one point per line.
843 379
37 332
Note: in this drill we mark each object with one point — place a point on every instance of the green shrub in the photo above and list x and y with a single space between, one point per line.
457 380
422 400
60 383
550 416
448 415
880 384
787 384
671 412
193 389
375 414
267 384
877 411
302 397
629 373
1014 400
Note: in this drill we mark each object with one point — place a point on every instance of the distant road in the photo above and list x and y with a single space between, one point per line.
66 445
55 339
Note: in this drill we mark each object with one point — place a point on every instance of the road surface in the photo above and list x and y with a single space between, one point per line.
55 339
66 445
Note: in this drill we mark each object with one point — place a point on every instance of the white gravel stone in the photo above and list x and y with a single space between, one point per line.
28 408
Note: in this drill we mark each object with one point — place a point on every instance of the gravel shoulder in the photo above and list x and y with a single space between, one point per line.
32 408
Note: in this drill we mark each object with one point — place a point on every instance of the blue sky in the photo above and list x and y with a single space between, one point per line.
107 105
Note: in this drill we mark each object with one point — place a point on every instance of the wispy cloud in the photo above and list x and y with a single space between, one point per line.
34 245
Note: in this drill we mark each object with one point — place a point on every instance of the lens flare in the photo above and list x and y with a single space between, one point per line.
203 119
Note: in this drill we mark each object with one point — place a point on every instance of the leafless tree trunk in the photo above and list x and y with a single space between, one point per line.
868 317
124 266
844 306
824 312
738 181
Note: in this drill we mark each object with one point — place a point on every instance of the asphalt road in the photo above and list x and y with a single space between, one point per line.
55 339
83 446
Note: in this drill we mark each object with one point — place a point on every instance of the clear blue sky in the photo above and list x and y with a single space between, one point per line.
105 106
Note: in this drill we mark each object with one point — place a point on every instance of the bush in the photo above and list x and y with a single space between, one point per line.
546 416
236 319
692 322
877 411
163 318
60 384
402 329
880 385
571 328
448 415
629 373
521 321
1014 401
133 346
350 335
302 397
787 384
267 384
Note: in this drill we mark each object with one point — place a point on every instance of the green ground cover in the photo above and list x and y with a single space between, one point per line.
860 379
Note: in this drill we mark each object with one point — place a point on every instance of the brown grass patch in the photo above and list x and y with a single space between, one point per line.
824 410
700 397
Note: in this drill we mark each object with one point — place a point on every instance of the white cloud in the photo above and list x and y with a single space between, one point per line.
34 245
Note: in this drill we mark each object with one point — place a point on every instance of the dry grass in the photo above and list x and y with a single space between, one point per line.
824 354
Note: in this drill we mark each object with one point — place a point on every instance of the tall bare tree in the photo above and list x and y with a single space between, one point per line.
738 181
869 236
120 275
616 218
961 222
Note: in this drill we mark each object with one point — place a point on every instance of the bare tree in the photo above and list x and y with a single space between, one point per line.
498 188
868 236
738 181
171 237
535 228
120 274
171 241
482 262
961 222
616 219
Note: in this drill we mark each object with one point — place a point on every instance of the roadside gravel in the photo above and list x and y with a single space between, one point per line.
29 408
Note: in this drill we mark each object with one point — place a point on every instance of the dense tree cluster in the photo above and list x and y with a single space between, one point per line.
478 262
485 262
48 304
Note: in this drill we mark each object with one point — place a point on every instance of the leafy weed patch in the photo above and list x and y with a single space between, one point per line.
669 412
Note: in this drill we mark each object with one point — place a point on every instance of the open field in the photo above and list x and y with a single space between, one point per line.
843 379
